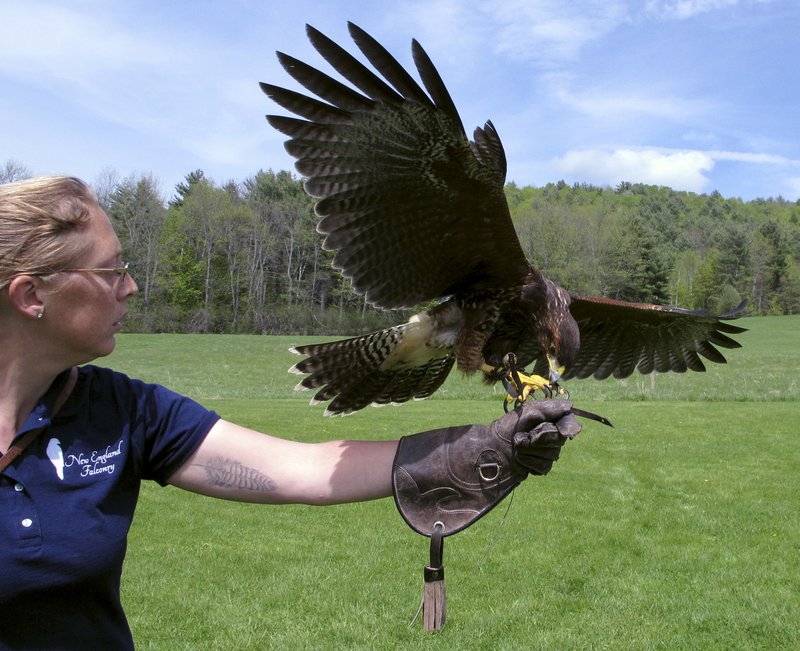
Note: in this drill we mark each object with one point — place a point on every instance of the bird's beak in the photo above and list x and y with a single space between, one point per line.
556 369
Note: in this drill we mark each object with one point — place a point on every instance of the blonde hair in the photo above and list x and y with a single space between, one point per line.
37 217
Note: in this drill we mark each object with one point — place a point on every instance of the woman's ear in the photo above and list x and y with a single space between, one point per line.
26 295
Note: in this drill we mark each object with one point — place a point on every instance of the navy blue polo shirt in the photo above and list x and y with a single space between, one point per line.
67 502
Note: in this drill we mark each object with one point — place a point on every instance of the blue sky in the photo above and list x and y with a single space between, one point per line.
699 95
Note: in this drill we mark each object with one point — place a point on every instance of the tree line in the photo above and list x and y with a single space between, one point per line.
244 257
650 243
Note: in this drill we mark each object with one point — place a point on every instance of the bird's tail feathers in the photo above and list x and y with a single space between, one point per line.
370 369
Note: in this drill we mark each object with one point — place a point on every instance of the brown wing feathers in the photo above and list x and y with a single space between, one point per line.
619 337
411 207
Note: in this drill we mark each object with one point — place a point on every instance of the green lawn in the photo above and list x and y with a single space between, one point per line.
678 529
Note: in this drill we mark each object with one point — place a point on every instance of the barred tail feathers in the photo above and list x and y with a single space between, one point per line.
384 367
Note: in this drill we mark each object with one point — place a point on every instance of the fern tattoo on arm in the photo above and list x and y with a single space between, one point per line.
227 473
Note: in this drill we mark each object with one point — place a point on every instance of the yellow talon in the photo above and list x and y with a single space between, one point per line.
519 386
533 383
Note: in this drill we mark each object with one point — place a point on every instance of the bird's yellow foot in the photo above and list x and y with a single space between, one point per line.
519 386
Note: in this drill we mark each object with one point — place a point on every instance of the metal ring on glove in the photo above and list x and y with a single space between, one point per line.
482 466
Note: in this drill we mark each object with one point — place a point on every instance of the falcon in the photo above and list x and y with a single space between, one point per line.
416 214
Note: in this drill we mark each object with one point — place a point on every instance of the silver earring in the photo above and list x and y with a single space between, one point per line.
40 315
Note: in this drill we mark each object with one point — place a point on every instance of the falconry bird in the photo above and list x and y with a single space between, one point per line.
416 214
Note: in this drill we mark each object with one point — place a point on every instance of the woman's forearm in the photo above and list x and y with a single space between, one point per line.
240 464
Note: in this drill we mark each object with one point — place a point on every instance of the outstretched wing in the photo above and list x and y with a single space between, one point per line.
618 337
413 209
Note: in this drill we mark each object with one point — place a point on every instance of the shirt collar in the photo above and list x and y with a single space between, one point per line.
42 413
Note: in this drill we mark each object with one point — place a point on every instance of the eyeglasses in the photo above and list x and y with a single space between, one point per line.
122 271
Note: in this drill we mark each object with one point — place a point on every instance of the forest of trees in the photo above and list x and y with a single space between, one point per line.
244 257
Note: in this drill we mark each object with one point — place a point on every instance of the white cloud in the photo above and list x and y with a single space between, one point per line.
748 157
550 31
679 169
621 105
684 9
688 9
682 170
177 87
57 42
547 33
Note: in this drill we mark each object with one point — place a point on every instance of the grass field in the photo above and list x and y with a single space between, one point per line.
678 529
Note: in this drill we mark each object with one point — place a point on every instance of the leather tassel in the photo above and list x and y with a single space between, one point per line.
434 606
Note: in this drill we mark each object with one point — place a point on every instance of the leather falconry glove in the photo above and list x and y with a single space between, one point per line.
455 475
445 479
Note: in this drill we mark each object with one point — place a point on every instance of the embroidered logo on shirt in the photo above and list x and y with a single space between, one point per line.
97 462
56 456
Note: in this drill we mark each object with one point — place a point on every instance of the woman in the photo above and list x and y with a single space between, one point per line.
68 498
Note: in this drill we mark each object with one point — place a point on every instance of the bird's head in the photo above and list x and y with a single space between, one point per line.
555 329
559 337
